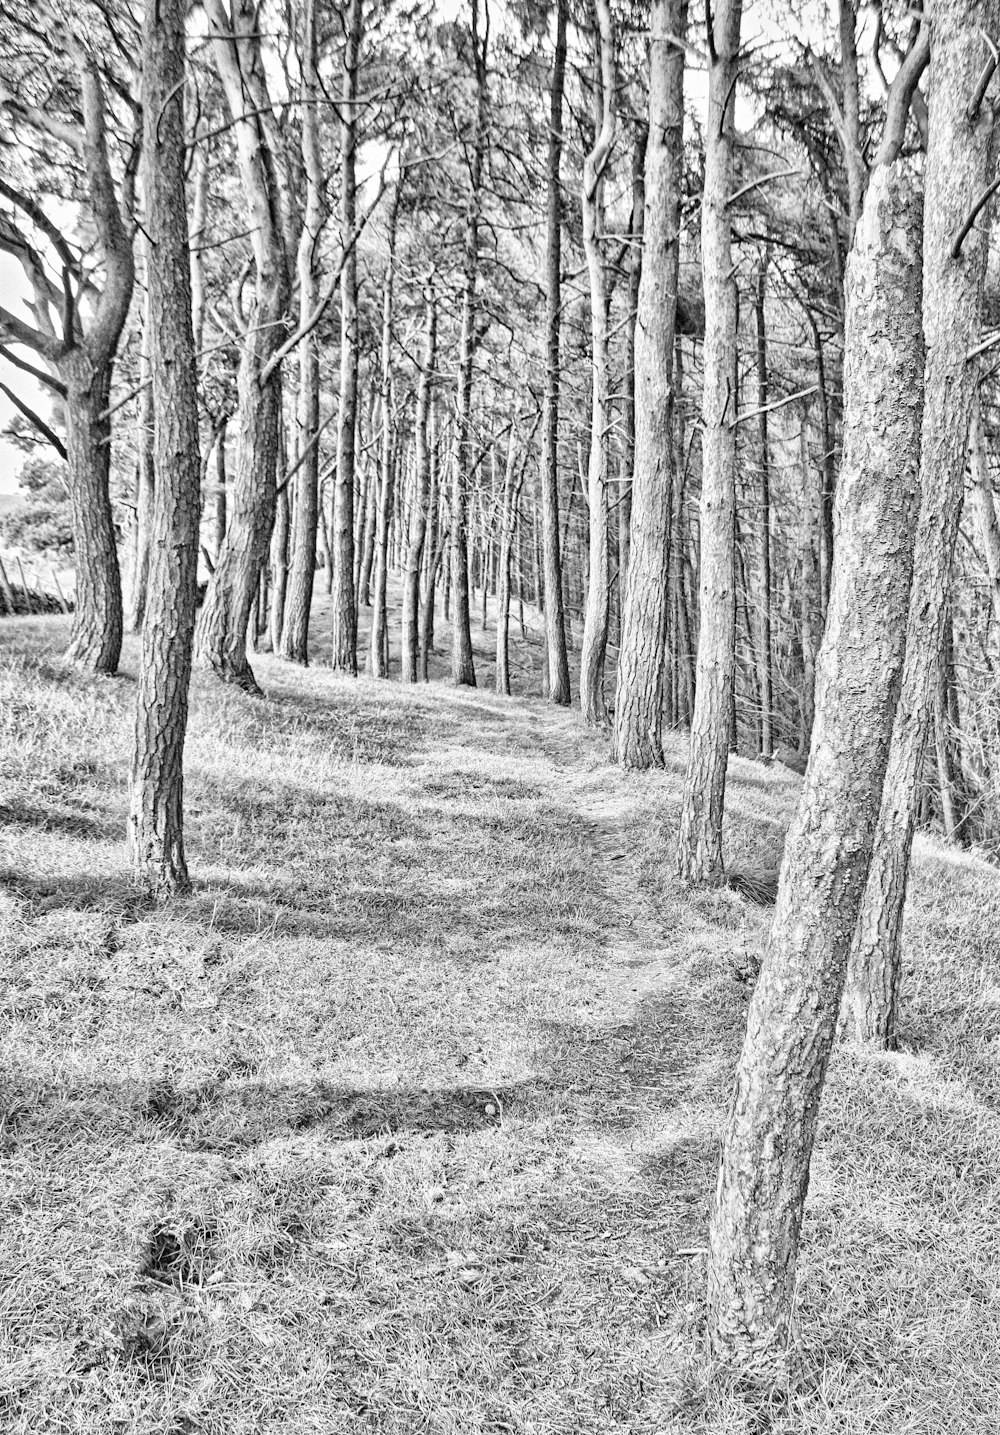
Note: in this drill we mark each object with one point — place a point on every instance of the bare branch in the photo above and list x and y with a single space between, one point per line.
35 420
15 331
39 374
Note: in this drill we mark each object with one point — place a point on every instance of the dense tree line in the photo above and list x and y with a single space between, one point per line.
673 322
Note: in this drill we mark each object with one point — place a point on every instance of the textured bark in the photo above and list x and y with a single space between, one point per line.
220 636
595 623
956 806
555 619
155 823
766 653
279 567
463 671
344 656
828 477
145 487
417 536
636 223
294 639
960 163
639 698
849 126
507 523
984 504
378 655
699 849
436 540
754 1233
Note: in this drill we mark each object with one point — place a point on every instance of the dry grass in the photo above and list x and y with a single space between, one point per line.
406 1120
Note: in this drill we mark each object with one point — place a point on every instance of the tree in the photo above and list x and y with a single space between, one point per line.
220 641
639 698
767 1148
555 618
420 512
76 332
960 164
595 627
699 847
345 613
155 823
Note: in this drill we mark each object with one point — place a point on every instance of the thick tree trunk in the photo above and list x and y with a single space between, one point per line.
419 514
344 657
595 624
155 823
294 640
764 1174
639 699
699 849
220 636
555 620
960 164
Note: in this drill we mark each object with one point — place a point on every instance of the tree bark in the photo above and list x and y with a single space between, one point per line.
344 656
766 656
639 698
595 625
419 515
960 164
155 824
699 849
984 504
378 660
507 512
555 619
146 486
764 1174
220 636
294 640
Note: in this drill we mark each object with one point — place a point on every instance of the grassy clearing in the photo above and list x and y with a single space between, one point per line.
401 1121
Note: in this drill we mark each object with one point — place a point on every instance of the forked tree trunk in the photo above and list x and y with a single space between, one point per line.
754 1232
595 623
220 636
294 638
555 619
960 164
344 655
155 823
639 698
699 847
418 535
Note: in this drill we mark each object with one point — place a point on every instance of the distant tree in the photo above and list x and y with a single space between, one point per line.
42 520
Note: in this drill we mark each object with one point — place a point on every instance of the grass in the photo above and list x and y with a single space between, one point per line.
406 1119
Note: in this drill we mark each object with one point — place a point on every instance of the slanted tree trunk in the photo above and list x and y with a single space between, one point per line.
420 512
960 164
294 640
555 619
220 636
596 618
463 670
155 822
699 848
639 699
766 654
755 1226
344 657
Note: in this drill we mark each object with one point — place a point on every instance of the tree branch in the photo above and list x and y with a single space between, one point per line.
39 374
33 418
15 331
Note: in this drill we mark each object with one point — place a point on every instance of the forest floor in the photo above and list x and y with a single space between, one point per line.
406 1120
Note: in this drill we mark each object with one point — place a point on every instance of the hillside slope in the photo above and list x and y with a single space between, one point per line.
406 1120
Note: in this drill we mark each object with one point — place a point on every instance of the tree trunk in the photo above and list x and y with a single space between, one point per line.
960 163
279 568
555 620
766 679
418 534
378 662
155 823
639 698
219 504
984 504
463 671
755 1227
220 636
502 678
294 640
699 849
344 657
146 487
595 625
